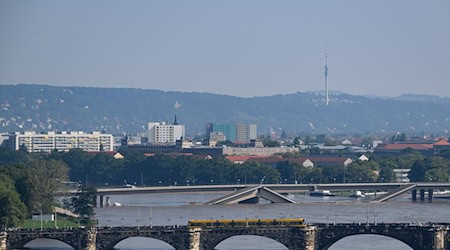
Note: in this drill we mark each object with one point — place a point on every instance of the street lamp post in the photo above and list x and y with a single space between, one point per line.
345 169
42 222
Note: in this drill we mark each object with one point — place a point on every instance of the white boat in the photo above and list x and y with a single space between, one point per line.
117 204
321 193
441 192
357 194
375 194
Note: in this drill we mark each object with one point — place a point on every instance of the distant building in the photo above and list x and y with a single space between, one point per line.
133 140
363 158
401 175
401 148
346 142
215 137
441 145
245 133
162 133
375 143
179 147
4 139
429 148
236 133
267 151
330 160
305 161
61 141
116 155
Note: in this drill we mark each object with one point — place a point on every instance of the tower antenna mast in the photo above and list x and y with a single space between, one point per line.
327 100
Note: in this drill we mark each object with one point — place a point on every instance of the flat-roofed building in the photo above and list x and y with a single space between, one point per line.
236 133
266 151
162 133
62 141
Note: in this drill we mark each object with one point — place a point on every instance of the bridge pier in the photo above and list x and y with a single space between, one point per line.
440 240
310 238
414 195
90 242
430 195
194 238
3 239
101 201
422 195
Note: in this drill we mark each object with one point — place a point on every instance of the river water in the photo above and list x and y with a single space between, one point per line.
178 209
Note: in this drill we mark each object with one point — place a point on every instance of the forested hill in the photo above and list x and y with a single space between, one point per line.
119 110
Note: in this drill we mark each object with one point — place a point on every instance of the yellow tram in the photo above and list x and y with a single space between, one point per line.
292 222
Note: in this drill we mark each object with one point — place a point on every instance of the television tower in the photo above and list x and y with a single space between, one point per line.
327 100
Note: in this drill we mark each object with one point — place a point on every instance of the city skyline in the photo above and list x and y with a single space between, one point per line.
252 48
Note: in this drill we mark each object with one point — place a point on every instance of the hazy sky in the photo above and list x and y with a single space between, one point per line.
244 48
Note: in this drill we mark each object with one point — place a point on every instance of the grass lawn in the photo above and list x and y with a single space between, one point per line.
61 223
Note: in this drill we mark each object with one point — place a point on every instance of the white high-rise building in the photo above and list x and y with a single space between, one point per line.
160 132
62 141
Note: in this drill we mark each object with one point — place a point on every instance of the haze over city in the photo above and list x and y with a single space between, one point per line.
243 48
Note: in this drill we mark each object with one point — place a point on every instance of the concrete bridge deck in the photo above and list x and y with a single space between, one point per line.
394 189
281 188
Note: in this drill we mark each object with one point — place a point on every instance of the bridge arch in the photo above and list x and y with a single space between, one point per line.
42 243
327 244
168 240
250 241
211 239
142 242
383 242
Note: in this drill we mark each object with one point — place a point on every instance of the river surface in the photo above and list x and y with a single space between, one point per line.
178 209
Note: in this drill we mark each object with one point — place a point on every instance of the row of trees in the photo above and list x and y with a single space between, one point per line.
102 169
28 183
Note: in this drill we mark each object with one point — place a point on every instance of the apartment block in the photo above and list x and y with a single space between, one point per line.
61 141
162 133
237 133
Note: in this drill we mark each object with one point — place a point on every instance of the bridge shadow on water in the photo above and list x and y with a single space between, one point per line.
252 242
241 242
369 242
142 243
44 243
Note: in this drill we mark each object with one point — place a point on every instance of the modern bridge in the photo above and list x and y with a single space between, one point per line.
394 189
307 237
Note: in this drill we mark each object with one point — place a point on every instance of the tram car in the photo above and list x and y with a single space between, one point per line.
291 222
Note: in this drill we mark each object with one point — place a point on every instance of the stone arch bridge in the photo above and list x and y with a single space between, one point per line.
310 237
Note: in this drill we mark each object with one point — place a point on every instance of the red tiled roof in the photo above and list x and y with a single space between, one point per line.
402 146
298 160
262 159
112 153
442 142
235 158
321 159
